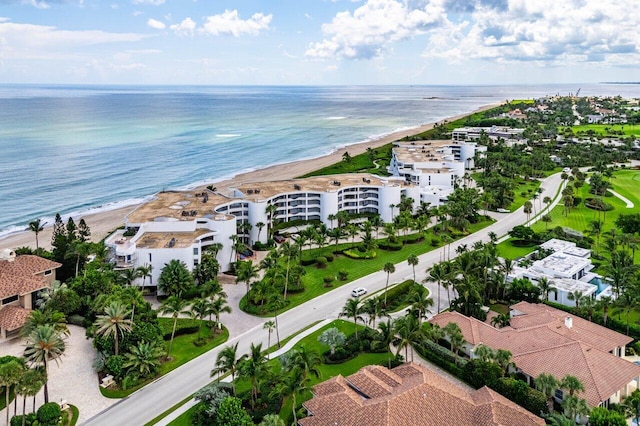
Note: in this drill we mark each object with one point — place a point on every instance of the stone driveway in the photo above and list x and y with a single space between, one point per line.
72 379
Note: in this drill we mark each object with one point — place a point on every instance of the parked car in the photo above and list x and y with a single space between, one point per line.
357 292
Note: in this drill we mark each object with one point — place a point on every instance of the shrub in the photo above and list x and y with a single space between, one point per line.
600 416
357 254
520 393
329 257
435 242
49 414
328 280
115 367
321 262
480 373
441 356
343 275
78 320
184 326
28 421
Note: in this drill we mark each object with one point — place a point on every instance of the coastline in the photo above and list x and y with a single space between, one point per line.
104 222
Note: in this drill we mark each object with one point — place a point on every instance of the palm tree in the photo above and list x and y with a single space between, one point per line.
78 250
574 407
144 359
260 225
503 358
545 286
371 307
113 322
308 361
632 405
253 367
595 228
572 384
557 419
547 384
527 209
407 332
129 275
269 326
219 306
272 420
501 320
173 306
199 310
36 226
389 268
456 338
227 361
37 318
577 297
44 344
290 386
276 302
30 383
386 337
437 273
484 353
246 271
605 302
10 374
332 337
270 210
132 296
352 309
420 303
144 271
413 261
175 279
287 250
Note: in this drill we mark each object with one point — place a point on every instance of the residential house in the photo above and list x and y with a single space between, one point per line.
21 278
407 395
546 340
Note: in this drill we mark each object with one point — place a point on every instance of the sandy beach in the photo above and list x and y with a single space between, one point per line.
103 223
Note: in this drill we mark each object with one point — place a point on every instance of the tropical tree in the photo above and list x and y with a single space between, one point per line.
352 309
272 420
547 384
275 302
175 307
217 307
407 332
199 310
332 337
290 386
228 361
143 360
37 318
438 274
10 374
545 286
308 361
372 307
42 345
413 260
113 322
270 326
571 384
501 320
595 228
246 271
253 367
389 268
455 337
175 279
605 303
386 336
288 251
632 405
132 296
527 209
30 383
144 271
503 359
574 407
36 226
484 353
557 419
420 301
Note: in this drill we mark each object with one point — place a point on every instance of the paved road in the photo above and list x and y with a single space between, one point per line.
145 404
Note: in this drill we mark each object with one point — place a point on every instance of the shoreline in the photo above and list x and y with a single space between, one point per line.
102 223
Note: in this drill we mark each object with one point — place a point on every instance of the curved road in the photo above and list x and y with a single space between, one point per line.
143 405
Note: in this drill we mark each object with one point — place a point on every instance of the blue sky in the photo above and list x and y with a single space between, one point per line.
319 41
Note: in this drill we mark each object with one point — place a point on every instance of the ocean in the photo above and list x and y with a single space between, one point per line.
72 149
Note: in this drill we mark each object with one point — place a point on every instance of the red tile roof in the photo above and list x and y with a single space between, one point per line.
13 317
540 342
414 395
20 276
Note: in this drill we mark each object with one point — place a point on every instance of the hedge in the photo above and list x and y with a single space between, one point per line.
441 357
184 326
397 294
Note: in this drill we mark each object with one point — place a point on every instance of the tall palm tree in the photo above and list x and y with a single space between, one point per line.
253 367
132 296
129 275
36 226
352 309
30 383
456 338
420 301
228 361
437 273
200 309
260 225
372 308
308 361
605 302
389 268
270 326
144 271
571 384
407 332
270 210
577 297
484 353
175 307
246 271
10 375
287 250
545 286
219 306
413 261
275 303
44 344
114 322
175 278
547 384
290 386
595 228
386 336
37 318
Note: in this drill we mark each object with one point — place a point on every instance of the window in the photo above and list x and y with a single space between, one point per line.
49 272
149 257
558 394
195 251
9 299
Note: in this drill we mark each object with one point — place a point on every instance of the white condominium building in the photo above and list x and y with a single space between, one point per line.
466 134
180 224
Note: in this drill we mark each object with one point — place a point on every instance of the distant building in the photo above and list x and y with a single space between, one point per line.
467 134
21 278
567 268
546 340
408 395
181 224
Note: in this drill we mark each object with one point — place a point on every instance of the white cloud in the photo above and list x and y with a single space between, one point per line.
373 27
543 31
150 2
184 28
155 24
229 23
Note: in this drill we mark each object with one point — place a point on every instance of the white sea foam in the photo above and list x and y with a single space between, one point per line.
335 118
228 135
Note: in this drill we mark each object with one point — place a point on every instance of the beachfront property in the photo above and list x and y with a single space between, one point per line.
21 278
181 224
409 394
437 167
468 134
567 269
543 339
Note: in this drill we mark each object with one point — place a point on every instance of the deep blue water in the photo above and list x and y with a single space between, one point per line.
76 148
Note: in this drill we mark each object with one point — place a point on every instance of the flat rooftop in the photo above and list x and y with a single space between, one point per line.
562 246
562 263
158 240
190 205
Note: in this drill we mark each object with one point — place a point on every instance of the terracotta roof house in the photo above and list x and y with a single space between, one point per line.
21 278
543 339
408 395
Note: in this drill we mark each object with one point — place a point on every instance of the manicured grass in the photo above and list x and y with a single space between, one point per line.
361 163
283 342
499 308
606 129
358 268
185 418
526 187
183 351
169 411
70 416
508 251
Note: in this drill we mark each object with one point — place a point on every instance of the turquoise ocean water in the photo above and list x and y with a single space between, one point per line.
73 149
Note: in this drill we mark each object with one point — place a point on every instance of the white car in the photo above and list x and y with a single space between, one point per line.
357 292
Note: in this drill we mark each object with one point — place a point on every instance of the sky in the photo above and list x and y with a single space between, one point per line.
319 42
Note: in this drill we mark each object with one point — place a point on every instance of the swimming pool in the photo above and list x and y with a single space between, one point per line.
597 281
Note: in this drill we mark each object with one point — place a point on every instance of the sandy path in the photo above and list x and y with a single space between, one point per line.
103 223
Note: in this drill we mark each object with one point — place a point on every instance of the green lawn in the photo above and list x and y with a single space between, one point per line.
507 251
607 129
522 192
183 351
358 268
362 163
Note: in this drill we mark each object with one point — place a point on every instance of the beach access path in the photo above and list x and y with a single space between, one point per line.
143 405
